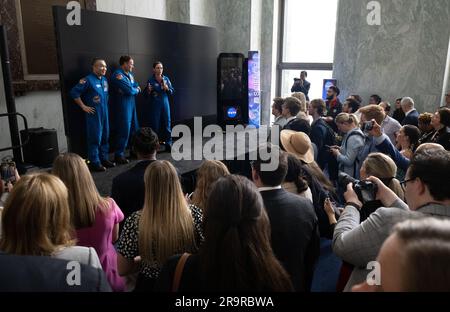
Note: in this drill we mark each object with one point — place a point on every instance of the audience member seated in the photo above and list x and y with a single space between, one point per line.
209 172
236 254
45 274
322 135
426 191
128 189
296 181
354 139
295 231
414 258
399 114
96 219
291 107
441 124
389 126
299 145
425 127
164 227
411 115
36 222
333 106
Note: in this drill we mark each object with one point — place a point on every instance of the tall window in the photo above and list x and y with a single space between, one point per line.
307 34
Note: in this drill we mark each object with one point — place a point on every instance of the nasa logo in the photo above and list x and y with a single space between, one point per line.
232 112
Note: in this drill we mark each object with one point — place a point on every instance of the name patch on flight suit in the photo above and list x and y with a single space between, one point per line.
105 86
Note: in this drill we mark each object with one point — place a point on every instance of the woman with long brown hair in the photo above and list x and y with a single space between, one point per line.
237 253
36 221
95 218
165 226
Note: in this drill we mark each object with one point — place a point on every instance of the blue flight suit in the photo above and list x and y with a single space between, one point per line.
124 90
94 93
160 108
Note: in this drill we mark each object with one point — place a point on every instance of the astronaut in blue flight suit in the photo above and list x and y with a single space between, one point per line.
124 89
91 94
159 88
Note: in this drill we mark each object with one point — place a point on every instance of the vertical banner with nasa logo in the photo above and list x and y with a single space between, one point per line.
254 90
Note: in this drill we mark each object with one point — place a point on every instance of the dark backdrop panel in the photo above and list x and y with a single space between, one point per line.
189 54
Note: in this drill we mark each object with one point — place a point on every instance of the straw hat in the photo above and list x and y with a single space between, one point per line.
298 144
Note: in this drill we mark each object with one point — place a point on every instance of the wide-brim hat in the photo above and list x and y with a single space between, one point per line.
298 144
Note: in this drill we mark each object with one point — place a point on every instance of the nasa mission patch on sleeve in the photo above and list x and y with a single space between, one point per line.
119 77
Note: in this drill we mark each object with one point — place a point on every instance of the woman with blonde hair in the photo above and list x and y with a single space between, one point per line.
95 218
36 221
164 227
208 173
303 114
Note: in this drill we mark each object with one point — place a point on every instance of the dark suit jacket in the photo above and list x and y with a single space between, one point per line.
45 274
128 188
304 89
411 119
295 235
299 125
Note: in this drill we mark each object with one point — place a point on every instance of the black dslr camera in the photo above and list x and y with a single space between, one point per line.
366 190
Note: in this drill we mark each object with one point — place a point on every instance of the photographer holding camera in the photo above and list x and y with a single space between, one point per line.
426 191
301 85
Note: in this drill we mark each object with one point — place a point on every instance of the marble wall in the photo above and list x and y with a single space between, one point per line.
143 8
405 56
178 11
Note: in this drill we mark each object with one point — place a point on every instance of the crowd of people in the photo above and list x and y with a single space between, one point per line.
375 186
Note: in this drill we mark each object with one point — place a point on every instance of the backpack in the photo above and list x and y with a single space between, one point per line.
362 154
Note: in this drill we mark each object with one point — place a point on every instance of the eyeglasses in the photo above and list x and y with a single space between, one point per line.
403 183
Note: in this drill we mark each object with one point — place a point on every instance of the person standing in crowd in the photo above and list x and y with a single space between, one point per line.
164 227
441 125
95 218
209 172
124 90
398 115
389 126
294 224
426 192
277 108
237 253
290 110
350 106
36 221
334 106
128 188
302 85
375 99
91 94
159 88
323 137
414 258
447 99
386 107
303 114
425 127
411 114
352 143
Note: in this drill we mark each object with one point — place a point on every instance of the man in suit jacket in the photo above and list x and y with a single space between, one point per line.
426 191
46 274
411 115
302 85
128 188
295 235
